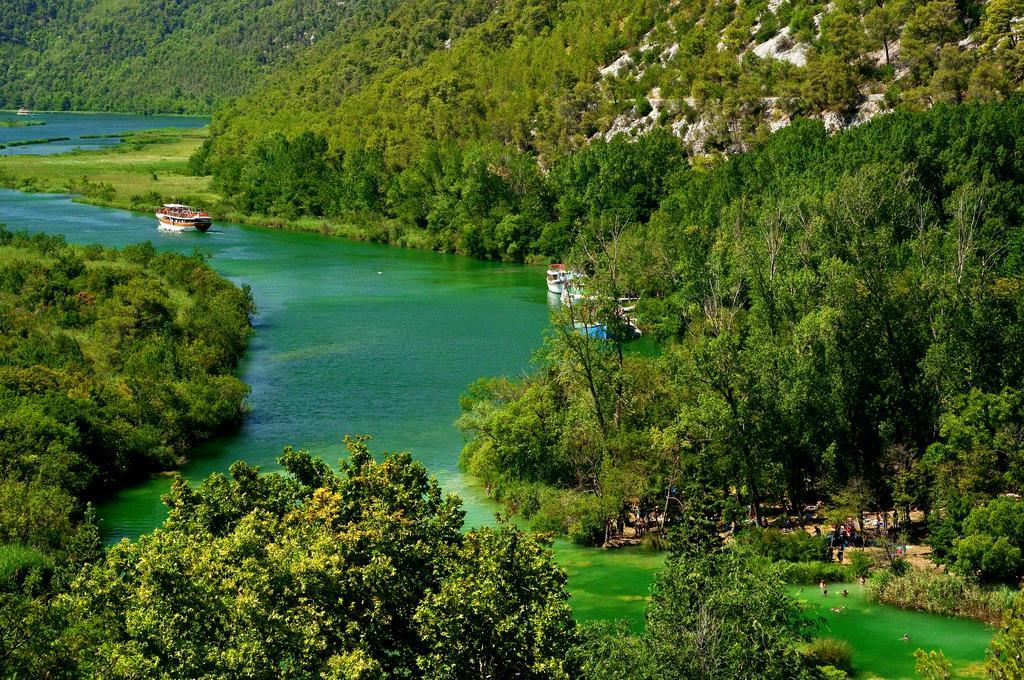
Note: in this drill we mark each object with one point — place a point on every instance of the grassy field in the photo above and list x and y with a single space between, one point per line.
149 168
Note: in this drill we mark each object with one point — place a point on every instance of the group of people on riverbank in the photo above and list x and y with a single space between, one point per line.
634 522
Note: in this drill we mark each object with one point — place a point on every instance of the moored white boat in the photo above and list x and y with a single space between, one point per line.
177 217
24 112
558 277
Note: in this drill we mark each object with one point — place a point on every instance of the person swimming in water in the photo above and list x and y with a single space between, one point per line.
905 637
845 592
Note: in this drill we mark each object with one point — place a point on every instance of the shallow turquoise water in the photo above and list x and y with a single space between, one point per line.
350 338
74 125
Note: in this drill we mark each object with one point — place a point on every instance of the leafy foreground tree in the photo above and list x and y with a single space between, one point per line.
1006 652
362 574
716 613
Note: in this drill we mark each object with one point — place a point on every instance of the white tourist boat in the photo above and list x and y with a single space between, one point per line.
558 277
177 217
24 112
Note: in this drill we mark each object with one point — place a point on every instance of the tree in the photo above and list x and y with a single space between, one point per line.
501 611
350 574
1000 24
723 615
1006 651
992 545
930 27
950 80
831 84
882 27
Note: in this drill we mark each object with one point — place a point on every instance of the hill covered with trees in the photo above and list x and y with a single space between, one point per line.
546 76
469 150
153 56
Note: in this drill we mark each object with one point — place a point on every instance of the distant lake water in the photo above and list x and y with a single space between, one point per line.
74 125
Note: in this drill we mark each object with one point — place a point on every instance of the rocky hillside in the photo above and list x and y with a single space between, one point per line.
548 75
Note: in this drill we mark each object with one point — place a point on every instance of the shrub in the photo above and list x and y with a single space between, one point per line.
830 652
798 546
521 498
860 562
813 572
655 542
575 515
937 592
19 563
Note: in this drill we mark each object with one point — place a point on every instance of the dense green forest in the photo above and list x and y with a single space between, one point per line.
448 153
154 56
840 320
112 365
547 75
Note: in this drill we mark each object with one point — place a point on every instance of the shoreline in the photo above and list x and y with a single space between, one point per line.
151 169
112 113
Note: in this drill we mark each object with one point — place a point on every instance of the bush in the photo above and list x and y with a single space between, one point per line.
19 563
575 515
812 572
937 592
798 546
521 498
861 563
830 652
656 542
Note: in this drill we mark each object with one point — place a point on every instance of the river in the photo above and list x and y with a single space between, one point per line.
354 338
100 128
362 338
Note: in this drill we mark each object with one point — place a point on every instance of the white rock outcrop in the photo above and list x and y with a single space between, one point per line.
783 48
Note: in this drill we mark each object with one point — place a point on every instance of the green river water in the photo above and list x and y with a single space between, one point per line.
876 633
361 338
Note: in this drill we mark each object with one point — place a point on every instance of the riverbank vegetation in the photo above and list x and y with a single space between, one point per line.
20 123
943 593
149 168
30 142
838 325
113 365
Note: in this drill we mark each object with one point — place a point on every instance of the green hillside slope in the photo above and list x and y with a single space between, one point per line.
547 75
151 55
477 149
